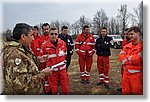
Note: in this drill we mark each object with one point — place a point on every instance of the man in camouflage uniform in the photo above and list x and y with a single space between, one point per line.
21 75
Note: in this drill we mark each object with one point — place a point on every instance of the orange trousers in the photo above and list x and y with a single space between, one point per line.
132 83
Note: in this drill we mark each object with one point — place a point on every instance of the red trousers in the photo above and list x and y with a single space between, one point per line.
132 83
85 62
62 78
103 65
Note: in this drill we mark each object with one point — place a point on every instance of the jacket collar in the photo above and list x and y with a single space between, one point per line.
139 45
64 36
50 44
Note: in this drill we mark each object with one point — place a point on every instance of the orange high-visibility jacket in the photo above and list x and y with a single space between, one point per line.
131 56
125 42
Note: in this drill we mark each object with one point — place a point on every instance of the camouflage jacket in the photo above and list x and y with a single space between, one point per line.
19 69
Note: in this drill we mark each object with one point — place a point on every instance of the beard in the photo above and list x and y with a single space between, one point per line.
46 33
128 38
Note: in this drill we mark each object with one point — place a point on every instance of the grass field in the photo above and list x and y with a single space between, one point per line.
77 88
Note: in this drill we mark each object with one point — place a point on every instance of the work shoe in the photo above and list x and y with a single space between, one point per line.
82 81
99 83
87 81
119 89
107 86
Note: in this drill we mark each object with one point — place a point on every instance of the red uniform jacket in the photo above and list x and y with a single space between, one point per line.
85 44
56 54
43 39
34 45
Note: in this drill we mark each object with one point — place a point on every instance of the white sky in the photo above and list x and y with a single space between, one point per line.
39 11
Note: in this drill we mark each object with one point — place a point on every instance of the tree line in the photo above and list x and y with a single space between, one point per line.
115 25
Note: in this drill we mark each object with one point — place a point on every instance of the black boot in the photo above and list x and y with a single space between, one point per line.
107 86
119 89
99 83
87 81
82 81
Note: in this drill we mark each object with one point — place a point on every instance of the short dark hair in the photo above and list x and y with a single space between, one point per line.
103 28
36 27
126 29
45 24
53 28
64 27
135 29
86 26
21 28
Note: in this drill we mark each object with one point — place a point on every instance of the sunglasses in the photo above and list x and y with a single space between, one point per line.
53 34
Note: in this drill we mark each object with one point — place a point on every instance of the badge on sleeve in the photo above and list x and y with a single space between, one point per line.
17 61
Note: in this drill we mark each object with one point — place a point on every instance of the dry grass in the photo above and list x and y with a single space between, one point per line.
77 88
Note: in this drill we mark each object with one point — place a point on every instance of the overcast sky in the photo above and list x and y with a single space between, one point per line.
39 11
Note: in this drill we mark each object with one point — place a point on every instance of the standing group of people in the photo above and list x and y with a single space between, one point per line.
44 69
85 46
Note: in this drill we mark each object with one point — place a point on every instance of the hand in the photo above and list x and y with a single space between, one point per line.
47 71
44 73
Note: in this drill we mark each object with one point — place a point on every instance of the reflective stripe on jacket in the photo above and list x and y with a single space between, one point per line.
56 54
85 44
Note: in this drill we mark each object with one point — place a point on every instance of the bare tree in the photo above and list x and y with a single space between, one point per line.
100 19
65 23
124 17
83 21
117 26
75 28
58 24
111 26
138 18
6 33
